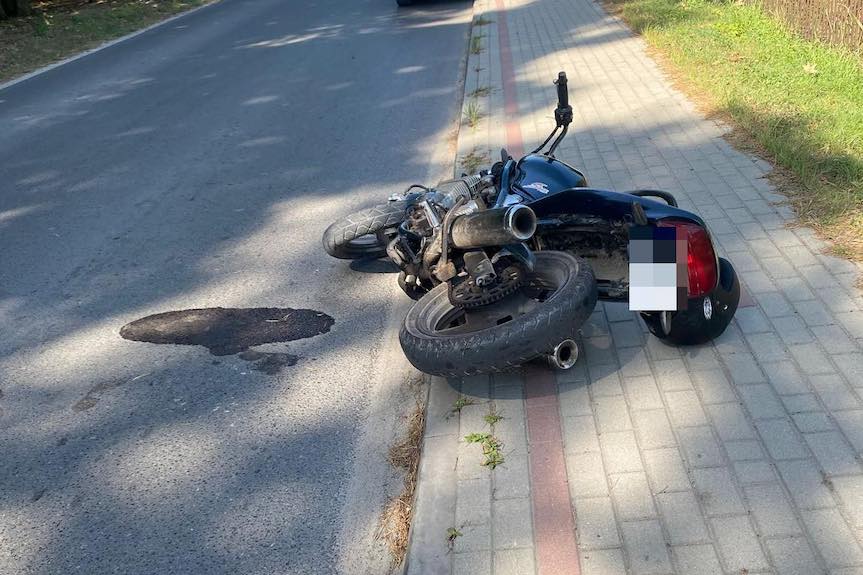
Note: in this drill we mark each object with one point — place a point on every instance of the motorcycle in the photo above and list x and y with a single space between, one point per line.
506 265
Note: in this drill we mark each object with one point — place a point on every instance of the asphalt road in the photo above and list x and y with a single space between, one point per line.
196 166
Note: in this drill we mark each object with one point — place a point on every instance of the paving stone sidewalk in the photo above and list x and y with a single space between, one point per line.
742 456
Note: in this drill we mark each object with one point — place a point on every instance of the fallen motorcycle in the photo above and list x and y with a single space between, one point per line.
506 265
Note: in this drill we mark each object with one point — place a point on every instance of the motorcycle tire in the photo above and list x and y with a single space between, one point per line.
690 327
361 235
504 343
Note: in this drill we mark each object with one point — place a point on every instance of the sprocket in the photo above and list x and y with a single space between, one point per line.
468 295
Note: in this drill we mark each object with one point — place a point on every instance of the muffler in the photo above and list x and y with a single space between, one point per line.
564 355
494 227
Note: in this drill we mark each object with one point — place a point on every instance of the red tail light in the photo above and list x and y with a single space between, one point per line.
701 263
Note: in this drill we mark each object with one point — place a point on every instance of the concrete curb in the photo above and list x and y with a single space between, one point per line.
427 500
435 497
101 47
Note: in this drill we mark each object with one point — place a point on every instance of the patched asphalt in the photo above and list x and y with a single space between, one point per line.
227 331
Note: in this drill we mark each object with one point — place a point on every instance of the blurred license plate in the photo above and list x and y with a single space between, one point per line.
657 269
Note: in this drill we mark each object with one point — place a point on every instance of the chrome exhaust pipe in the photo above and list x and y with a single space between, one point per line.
520 221
564 355
493 227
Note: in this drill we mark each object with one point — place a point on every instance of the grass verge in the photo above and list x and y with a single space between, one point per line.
395 522
59 30
796 102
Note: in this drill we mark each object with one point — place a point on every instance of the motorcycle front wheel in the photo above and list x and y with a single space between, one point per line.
557 297
362 235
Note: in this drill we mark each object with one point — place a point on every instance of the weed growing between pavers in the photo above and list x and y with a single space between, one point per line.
491 446
493 418
472 161
472 113
461 403
480 92
476 45
395 522
451 534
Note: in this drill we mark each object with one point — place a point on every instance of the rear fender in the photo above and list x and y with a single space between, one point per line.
606 204
594 225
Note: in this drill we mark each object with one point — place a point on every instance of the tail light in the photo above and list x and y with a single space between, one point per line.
701 262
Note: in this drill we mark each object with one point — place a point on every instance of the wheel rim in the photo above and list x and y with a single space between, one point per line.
541 286
369 244
364 243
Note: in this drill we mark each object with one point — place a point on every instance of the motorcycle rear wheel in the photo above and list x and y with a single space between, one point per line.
690 327
361 235
441 339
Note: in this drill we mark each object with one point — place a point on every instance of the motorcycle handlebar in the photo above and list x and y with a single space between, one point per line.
562 92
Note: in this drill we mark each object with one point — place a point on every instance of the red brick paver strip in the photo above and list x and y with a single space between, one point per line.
553 523
514 143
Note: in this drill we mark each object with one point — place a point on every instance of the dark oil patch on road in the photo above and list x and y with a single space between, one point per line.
226 331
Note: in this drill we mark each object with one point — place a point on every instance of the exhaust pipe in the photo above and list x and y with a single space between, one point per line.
494 227
564 355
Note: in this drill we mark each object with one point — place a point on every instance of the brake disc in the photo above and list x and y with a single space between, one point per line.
467 294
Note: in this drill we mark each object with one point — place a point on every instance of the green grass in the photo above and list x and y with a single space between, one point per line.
476 45
472 113
461 403
492 418
52 34
799 102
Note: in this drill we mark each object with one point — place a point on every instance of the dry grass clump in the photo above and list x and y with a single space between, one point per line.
395 522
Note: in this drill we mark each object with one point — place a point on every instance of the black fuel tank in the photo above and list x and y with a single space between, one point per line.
538 176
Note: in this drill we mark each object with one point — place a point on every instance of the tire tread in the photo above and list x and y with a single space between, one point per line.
338 235
513 343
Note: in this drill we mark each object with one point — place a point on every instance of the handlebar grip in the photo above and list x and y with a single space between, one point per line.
562 92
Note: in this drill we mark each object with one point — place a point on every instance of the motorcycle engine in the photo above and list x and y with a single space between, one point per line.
427 215
418 245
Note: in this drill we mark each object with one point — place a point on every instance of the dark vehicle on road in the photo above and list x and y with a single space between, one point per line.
507 265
